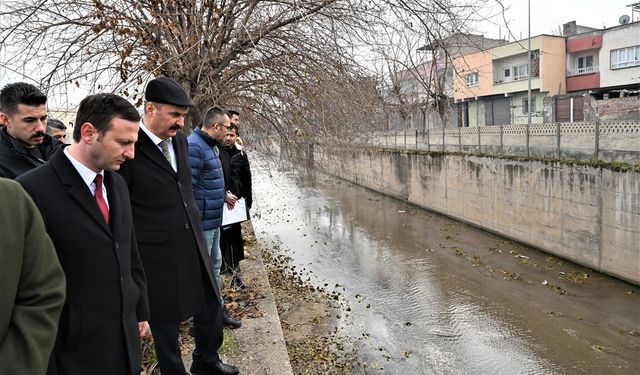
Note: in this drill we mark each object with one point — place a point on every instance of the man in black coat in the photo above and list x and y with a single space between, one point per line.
231 241
23 142
169 232
87 214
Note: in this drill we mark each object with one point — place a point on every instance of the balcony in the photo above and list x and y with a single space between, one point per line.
583 81
582 71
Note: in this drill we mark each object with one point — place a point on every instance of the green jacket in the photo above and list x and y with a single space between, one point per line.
32 285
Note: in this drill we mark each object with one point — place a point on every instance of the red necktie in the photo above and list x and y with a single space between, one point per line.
102 204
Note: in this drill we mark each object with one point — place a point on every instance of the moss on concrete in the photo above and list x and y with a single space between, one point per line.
616 166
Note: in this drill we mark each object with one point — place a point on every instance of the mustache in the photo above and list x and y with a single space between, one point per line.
175 127
37 134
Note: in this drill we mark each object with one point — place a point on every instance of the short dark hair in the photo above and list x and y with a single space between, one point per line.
213 115
232 112
54 123
20 93
235 127
100 110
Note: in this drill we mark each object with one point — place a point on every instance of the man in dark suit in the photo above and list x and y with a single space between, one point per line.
169 232
57 129
86 210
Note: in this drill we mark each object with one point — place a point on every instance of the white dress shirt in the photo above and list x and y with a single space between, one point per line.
156 140
87 175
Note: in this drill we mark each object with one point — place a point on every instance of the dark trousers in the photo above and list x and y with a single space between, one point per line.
232 248
208 337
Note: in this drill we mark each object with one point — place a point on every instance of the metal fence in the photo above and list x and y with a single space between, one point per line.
608 141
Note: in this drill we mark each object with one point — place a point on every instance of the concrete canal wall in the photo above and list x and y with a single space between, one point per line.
588 215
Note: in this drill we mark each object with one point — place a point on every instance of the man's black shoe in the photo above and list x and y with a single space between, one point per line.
219 368
238 282
230 321
192 331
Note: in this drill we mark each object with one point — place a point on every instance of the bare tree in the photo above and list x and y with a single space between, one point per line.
416 48
280 61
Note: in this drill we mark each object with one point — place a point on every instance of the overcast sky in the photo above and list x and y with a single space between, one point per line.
548 15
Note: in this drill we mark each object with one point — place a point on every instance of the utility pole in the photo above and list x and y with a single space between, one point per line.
529 80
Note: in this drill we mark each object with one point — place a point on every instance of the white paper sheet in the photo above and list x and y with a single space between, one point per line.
238 214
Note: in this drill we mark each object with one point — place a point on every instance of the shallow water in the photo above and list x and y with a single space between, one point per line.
424 294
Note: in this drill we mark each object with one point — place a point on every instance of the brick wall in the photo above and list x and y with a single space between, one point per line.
624 109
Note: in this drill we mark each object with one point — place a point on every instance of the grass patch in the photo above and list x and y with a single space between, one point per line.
229 344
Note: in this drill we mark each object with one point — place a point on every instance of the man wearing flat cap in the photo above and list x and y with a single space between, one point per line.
169 234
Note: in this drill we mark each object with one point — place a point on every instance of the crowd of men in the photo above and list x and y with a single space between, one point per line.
119 233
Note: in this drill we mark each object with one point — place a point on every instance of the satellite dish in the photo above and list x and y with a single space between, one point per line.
624 19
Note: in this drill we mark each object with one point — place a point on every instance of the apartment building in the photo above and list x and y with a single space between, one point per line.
587 74
491 86
425 92
603 75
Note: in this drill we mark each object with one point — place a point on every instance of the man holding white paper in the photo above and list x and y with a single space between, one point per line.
231 240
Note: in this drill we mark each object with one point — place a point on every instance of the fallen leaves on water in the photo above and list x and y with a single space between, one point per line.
632 332
476 261
558 289
601 348
556 314
494 250
578 277
511 275
322 351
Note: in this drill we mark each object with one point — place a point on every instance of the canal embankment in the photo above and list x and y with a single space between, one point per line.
424 294
587 214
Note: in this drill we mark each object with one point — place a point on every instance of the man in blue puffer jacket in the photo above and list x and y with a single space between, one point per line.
209 186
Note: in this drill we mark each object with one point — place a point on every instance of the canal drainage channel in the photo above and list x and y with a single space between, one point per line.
427 295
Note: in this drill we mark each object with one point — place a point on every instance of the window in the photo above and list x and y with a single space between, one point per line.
625 57
472 79
520 72
585 65
525 105
507 72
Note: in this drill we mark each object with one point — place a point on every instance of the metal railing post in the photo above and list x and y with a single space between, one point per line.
597 141
527 139
558 128
416 139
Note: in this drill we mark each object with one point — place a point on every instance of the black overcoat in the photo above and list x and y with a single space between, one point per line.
240 164
106 286
231 177
169 232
